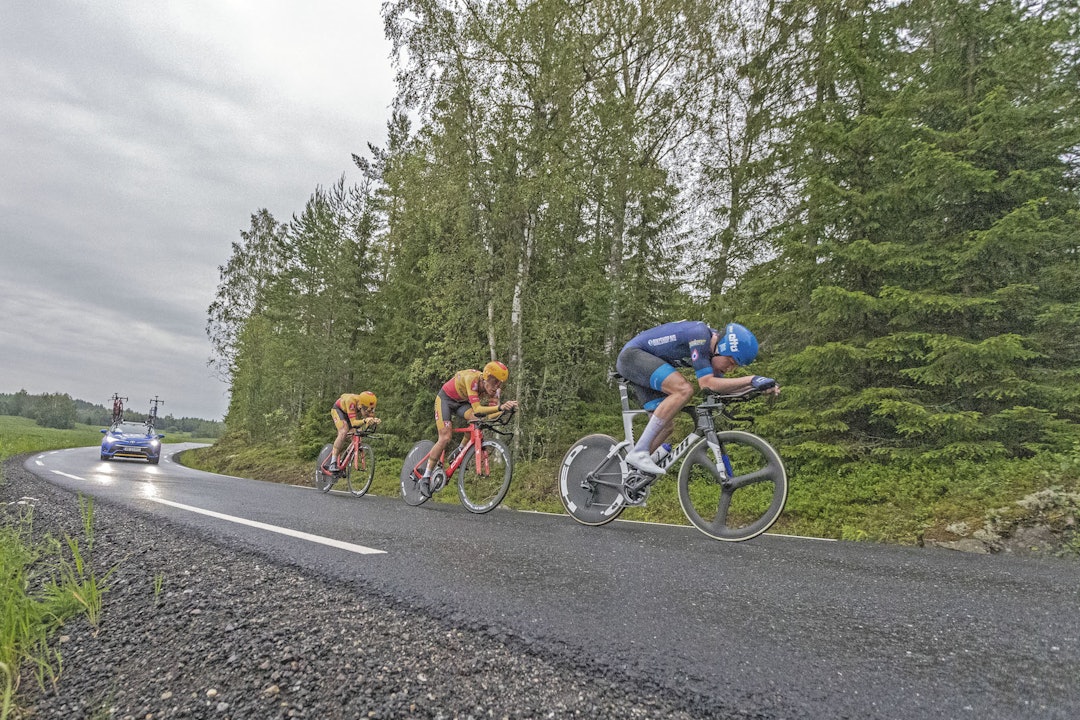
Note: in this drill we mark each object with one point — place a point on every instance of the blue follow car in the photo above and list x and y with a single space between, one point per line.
131 440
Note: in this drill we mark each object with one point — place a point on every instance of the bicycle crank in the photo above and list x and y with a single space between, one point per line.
636 498
636 487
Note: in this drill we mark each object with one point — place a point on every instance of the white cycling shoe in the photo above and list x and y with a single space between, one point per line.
643 461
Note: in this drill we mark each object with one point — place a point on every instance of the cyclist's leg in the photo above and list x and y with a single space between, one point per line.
662 391
653 380
444 411
341 422
678 392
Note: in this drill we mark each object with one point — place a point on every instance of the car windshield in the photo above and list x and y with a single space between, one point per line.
131 428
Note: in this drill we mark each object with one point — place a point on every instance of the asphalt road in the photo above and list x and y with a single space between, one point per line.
776 627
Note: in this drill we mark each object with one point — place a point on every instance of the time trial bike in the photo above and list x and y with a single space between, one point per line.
485 464
732 484
356 465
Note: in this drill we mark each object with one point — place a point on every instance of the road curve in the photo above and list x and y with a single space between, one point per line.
773 628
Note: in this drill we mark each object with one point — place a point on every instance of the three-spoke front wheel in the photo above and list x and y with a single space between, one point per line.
411 470
485 476
738 495
590 480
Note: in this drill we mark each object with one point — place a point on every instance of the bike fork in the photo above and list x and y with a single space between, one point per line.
721 458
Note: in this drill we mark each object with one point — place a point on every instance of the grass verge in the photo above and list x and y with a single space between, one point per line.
44 581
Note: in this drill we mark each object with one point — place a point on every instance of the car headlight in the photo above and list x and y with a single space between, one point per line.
154 443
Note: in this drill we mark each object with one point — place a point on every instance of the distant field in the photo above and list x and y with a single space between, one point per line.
22 435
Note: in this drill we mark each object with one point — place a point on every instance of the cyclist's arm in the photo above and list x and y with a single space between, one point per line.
494 412
479 410
733 386
489 411
723 385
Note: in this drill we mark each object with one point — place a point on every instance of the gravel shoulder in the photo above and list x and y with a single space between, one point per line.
232 634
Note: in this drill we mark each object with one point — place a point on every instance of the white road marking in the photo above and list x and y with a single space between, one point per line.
360 549
341 545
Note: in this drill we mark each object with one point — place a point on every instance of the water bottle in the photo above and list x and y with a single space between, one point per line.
661 452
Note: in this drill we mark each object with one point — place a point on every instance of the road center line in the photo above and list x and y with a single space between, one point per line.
359 549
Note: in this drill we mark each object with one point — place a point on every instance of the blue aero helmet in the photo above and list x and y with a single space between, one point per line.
737 343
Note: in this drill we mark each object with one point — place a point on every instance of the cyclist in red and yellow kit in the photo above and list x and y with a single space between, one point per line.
351 411
469 394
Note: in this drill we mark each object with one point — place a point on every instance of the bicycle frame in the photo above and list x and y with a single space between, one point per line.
476 439
351 453
705 428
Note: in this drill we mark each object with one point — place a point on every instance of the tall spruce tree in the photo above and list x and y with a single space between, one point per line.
930 282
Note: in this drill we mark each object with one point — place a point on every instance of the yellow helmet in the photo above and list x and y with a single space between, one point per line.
497 370
368 399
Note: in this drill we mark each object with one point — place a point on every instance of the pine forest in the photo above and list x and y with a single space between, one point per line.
884 191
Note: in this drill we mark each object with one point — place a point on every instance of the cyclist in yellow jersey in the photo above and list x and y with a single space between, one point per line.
469 394
351 412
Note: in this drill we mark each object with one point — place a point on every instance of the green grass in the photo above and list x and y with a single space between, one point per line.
44 581
20 435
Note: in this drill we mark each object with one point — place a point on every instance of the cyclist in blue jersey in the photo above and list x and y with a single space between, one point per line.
649 360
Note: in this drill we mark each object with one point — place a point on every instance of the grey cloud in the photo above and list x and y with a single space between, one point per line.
131 156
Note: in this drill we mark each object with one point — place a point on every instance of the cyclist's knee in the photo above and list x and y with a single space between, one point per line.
677 387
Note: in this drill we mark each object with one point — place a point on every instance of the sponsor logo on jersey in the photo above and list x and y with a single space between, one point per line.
693 355
662 340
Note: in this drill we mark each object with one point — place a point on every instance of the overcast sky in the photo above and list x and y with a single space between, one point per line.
136 141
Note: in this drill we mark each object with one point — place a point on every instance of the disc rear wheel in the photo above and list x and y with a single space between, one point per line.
590 480
323 479
410 473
